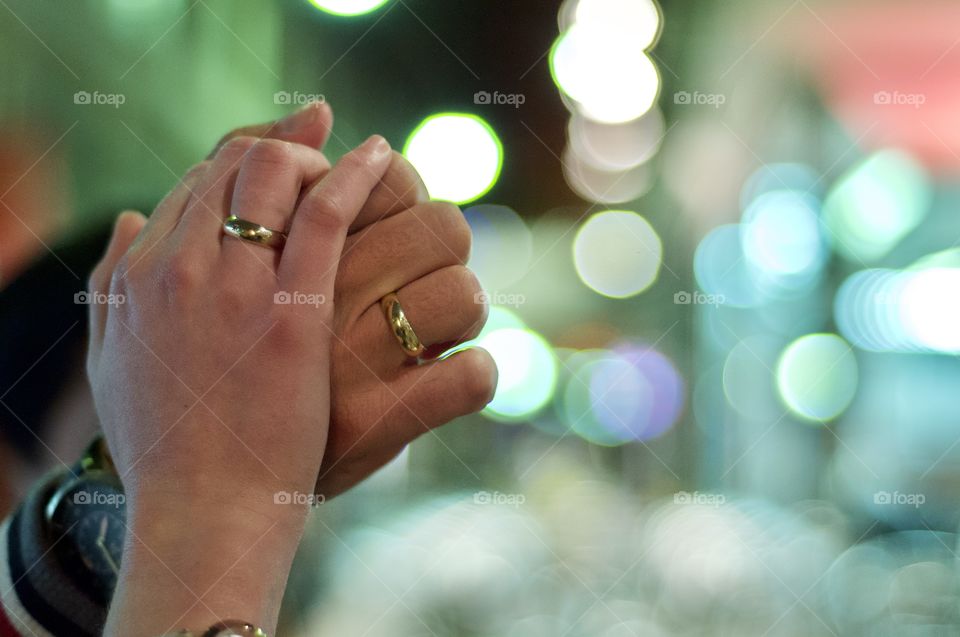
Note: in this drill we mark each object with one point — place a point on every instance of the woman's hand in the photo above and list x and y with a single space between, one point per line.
214 397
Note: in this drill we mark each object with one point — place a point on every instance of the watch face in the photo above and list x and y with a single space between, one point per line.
100 533
91 520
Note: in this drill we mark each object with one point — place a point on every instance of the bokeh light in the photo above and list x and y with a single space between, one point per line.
637 19
502 246
458 155
615 147
866 310
617 396
605 72
527 373
348 7
930 308
666 384
817 376
617 253
781 238
914 310
799 178
722 270
607 401
877 204
602 185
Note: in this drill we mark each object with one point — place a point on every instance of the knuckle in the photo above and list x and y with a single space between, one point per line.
325 211
235 148
289 332
196 172
234 134
451 228
472 305
356 160
271 153
118 278
180 275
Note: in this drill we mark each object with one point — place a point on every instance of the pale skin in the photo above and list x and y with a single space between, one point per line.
214 398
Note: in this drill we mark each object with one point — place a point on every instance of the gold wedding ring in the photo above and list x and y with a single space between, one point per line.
234 226
400 326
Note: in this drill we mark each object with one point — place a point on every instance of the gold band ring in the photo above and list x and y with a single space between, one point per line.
400 326
253 232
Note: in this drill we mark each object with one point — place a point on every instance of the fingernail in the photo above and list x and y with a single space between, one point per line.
376 145
300 118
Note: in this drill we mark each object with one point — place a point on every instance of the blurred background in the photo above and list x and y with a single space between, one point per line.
720 239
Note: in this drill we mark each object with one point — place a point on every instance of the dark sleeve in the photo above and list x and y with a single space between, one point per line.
37 597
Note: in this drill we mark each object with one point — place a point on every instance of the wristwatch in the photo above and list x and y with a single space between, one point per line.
86 522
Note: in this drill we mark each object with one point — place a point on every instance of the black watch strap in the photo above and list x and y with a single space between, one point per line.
38 582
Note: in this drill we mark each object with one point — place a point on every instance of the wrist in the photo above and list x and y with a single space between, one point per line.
188 562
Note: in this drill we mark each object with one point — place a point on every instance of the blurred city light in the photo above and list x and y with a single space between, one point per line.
612 397
607 401
667 388
617 253
930 306
722 269
817 376
348 7
602 185
614 147
527 373
781 238
502 246
876 205
605 72
901 310
458 155
799 178
638 19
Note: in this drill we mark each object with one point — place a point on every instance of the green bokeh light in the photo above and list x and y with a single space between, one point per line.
527 370
348 7
817 376
876 205
458 155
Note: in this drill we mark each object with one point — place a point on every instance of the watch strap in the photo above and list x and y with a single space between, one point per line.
37 581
